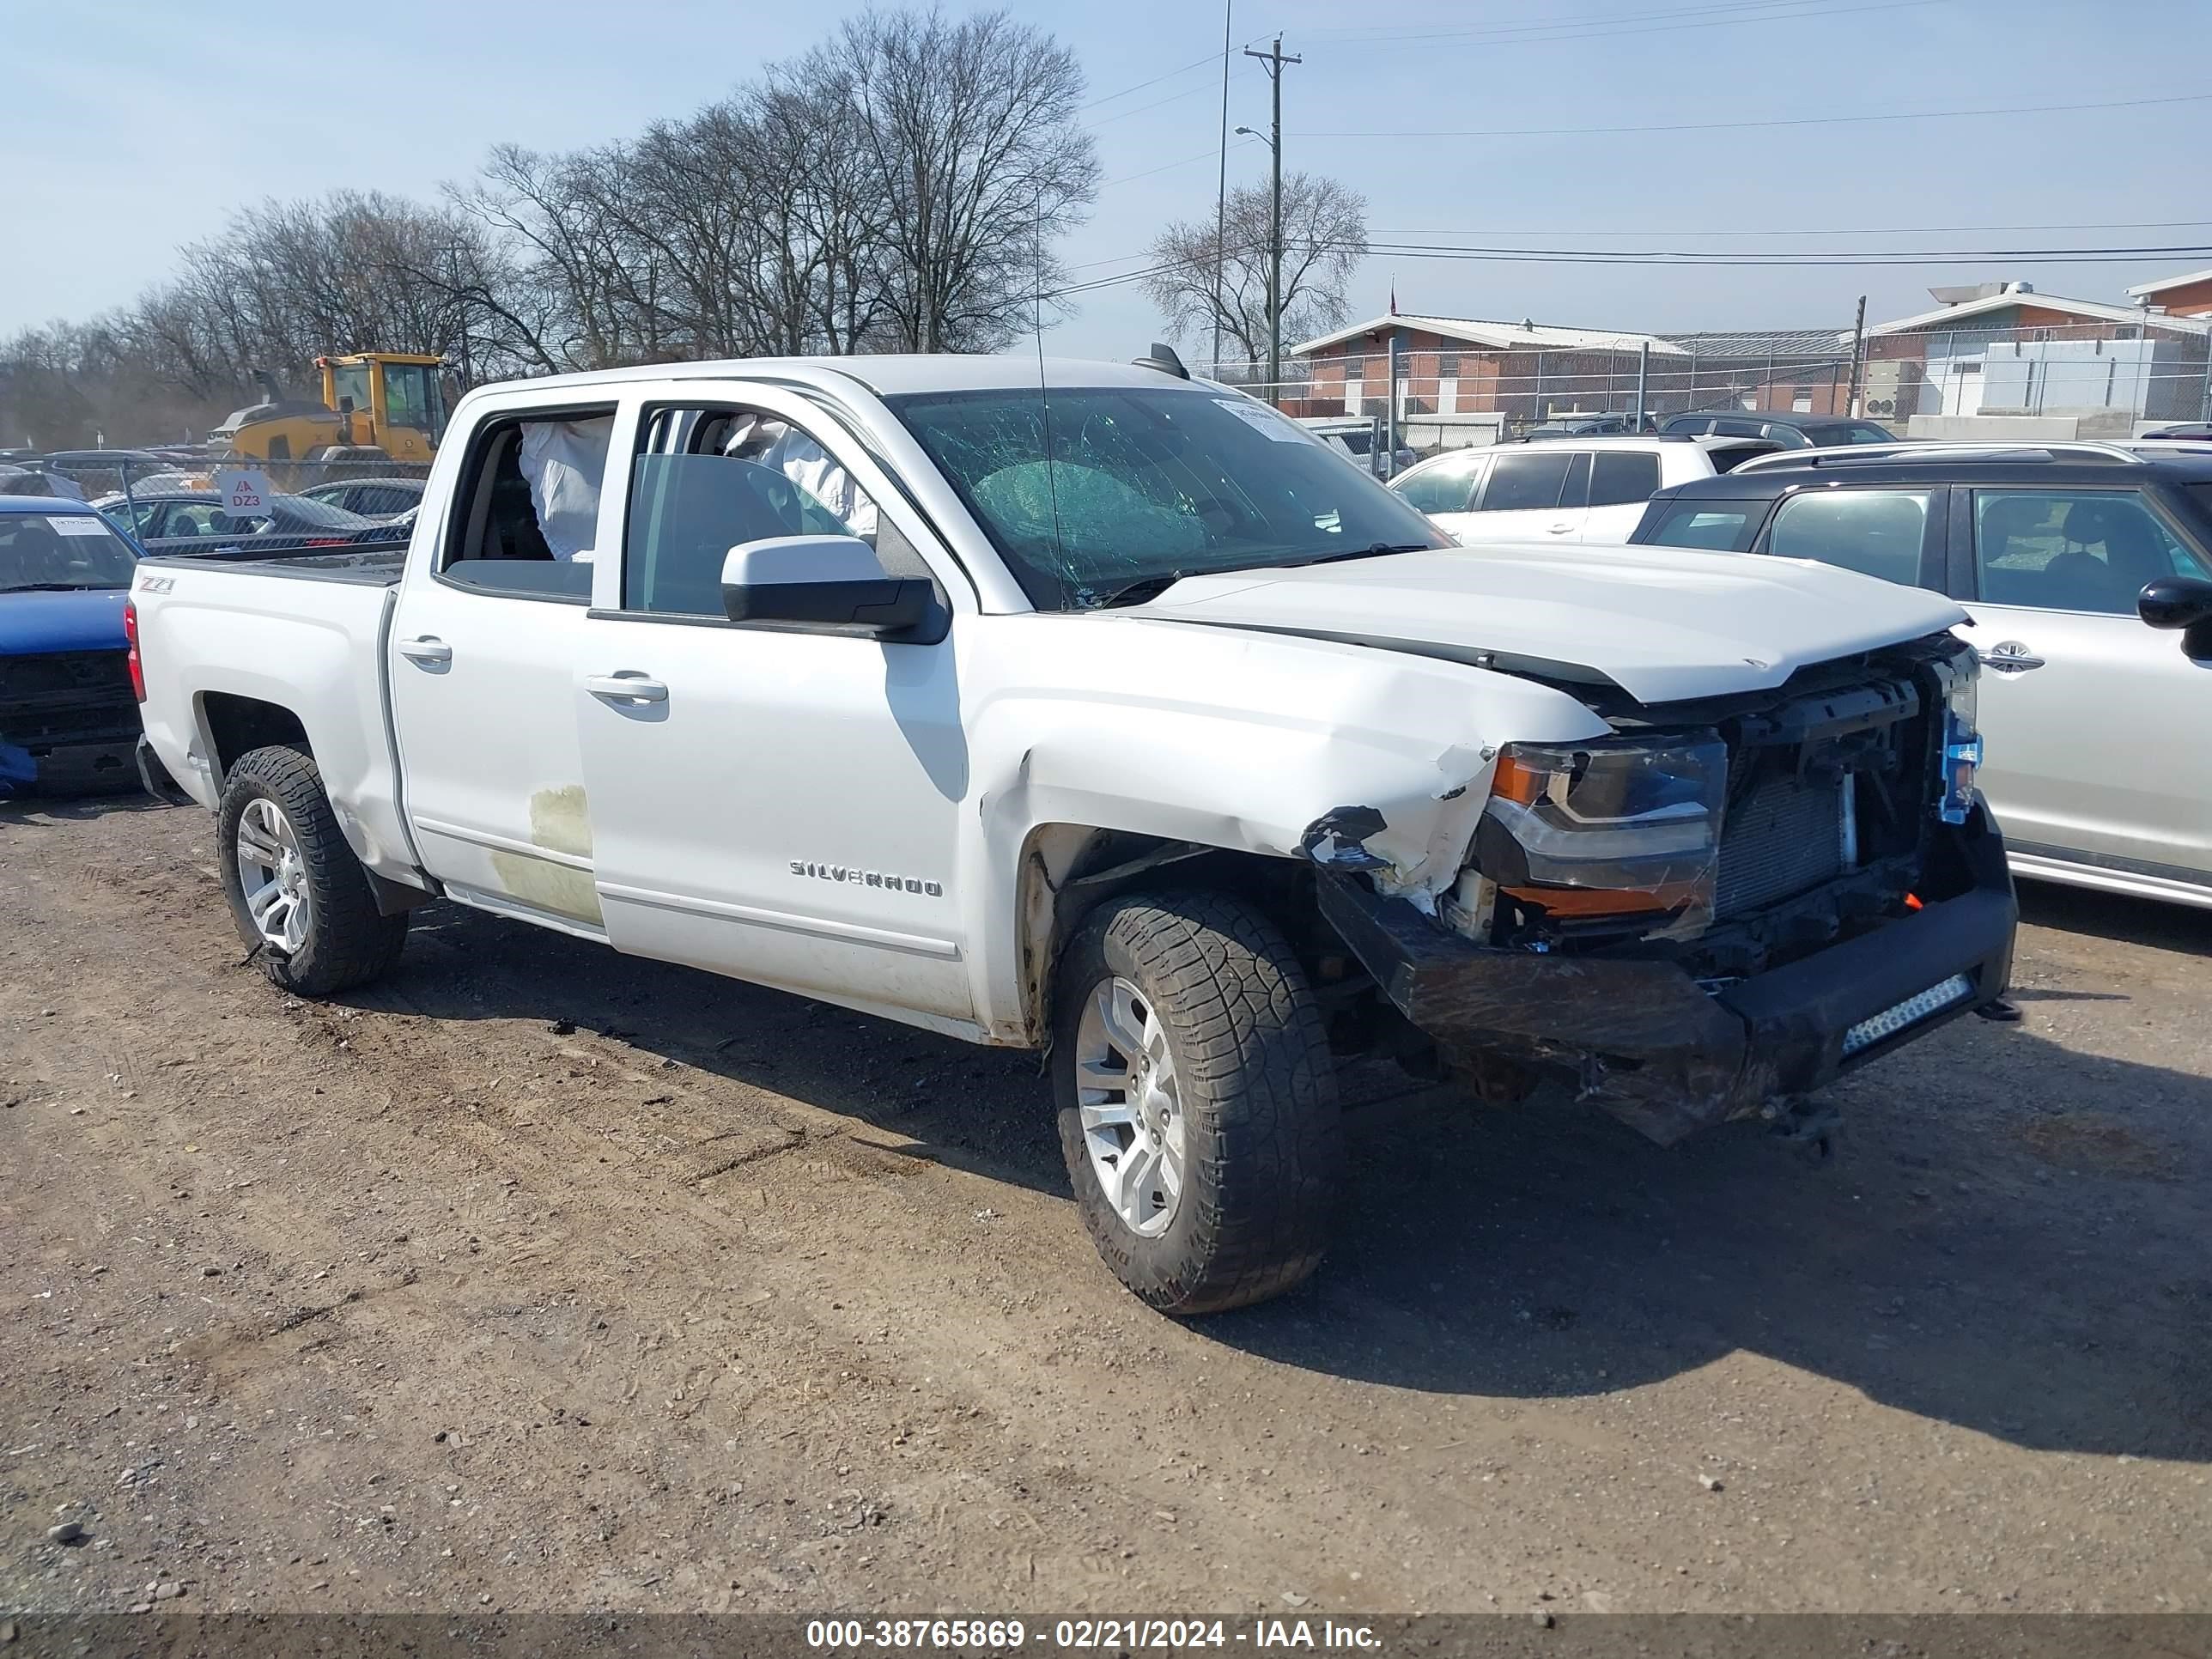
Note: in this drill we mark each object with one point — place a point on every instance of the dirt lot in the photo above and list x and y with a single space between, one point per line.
537 1279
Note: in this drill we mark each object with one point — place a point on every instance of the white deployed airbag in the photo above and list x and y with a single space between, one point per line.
564 462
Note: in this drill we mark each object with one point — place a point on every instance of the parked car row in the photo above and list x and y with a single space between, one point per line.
186 519
69 723
1789 430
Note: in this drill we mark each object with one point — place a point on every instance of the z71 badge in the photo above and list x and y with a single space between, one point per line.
860 878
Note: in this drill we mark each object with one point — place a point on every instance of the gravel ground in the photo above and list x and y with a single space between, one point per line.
535 1279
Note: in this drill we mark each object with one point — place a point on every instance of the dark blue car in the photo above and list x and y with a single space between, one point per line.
69 721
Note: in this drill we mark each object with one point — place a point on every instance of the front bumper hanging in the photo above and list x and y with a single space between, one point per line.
1659 1050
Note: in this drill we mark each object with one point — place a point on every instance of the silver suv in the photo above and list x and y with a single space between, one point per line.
2097 765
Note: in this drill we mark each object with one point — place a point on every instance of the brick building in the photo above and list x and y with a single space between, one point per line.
1465 366
2004 349
2178 296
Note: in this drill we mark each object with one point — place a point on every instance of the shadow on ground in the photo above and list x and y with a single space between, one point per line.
2110 915
2011 1239
35 810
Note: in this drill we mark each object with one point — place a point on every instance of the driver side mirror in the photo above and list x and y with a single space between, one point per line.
829 584
2183 603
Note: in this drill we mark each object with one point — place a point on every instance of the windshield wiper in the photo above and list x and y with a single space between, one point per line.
1151 587
58 588
1136 592
1371 550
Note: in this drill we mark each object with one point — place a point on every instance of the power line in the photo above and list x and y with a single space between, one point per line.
1892 230
1813 260
1210 57
1204 155
1172 98
1787 121
1693 259
1387 36
1609 28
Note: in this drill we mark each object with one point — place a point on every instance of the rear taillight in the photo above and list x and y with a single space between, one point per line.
131 640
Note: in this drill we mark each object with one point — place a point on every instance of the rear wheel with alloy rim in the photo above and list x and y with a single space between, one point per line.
297 893
1197 1099
272 877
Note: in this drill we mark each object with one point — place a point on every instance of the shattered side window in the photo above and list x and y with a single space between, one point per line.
1095 488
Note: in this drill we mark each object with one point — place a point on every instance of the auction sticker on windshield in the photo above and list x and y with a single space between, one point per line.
1261 420
77 524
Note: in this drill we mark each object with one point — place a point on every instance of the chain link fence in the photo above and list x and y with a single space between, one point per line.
173 501
2099 380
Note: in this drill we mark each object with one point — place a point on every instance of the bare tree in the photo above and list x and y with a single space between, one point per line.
1324 239
969 130
900 187
825 208
284 282
594 288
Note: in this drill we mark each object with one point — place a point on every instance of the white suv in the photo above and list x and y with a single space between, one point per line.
1575 489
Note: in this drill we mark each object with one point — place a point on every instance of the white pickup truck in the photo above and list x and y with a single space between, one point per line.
1090 709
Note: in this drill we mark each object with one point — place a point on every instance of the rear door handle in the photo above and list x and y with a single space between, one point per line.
1561 529
626 687
427 649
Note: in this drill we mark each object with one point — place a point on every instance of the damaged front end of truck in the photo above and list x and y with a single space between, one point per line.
1723 905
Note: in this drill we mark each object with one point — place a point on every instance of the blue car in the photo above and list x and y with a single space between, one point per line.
69 716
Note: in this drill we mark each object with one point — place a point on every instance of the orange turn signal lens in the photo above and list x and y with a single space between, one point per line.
1513 779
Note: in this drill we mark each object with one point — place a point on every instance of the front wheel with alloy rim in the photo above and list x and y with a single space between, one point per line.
1197 1101
296 892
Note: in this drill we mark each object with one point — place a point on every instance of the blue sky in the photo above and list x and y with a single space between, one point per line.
151 121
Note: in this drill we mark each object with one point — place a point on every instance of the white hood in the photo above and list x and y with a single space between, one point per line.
1663 623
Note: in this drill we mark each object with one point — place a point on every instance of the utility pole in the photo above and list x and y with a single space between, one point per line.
1858 349
1273 58
1221 187
1387 462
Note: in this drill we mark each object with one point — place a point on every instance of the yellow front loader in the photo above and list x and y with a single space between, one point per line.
377 405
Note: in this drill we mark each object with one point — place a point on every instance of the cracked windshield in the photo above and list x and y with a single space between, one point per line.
1144 486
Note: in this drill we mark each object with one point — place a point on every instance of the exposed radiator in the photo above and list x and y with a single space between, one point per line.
1782 838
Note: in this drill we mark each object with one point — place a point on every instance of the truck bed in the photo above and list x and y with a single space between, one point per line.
233 660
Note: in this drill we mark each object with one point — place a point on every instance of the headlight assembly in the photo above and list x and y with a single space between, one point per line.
1617 826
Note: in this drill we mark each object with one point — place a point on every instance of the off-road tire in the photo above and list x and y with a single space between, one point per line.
348 941
1264 1162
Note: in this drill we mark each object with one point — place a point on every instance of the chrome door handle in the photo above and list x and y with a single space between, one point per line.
2011 657
427 649
625 688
